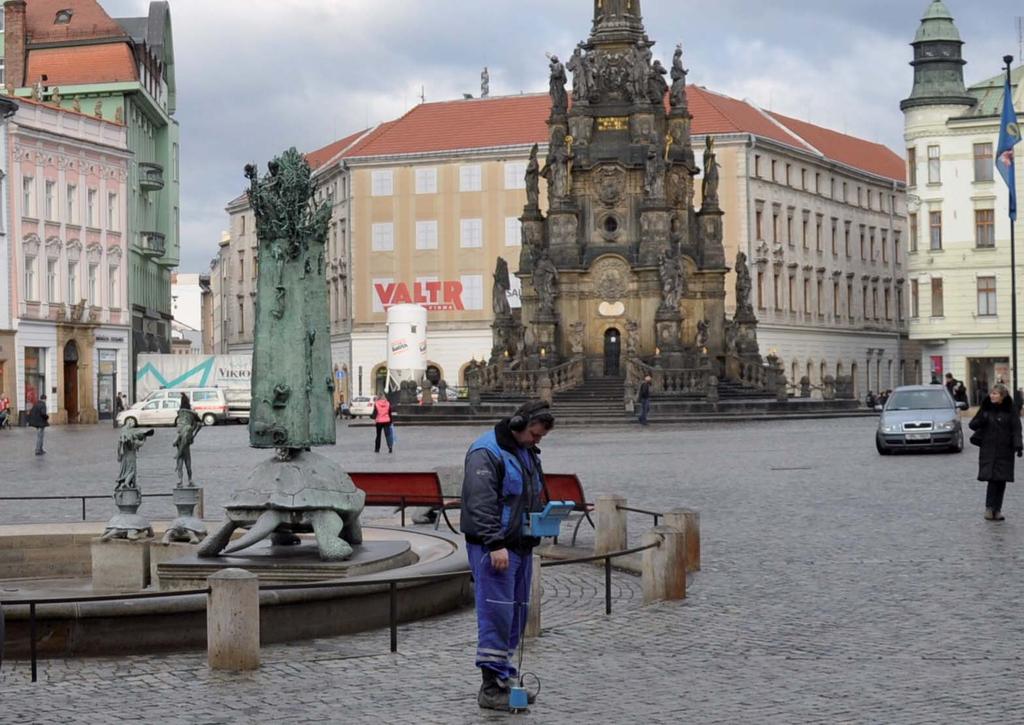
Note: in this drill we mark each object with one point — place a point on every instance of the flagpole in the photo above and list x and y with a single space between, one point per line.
1008 59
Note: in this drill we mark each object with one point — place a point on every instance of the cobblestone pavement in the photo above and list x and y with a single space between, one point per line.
838 586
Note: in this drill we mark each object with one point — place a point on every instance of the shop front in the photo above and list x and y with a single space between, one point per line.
983 373
110 365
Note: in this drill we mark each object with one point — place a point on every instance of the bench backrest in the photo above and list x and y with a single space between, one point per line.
564 487
388 488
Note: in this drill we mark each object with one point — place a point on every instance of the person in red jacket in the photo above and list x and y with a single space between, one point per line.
383 417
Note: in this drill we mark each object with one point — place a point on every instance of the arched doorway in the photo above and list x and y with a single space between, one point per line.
612 352
380 380
71 381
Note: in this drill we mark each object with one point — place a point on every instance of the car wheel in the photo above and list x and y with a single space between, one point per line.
958 444
880 447
209 419
130 422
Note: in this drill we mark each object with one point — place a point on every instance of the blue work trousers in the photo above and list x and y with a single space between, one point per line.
645 409
502 598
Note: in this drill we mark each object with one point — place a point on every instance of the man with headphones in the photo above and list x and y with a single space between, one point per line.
503 482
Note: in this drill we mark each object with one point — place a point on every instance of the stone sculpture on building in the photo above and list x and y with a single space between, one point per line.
556 86
709 187
545 282
533 180
677 95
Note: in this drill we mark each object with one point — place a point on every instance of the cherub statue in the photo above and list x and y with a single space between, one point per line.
128 444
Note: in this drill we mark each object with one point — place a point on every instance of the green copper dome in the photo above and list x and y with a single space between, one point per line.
937 24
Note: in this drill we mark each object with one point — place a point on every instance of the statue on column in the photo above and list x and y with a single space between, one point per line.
640 71
673 280
499 294
677 96
654 173
556 172
545 284
128 445
709 187
187 425
556 83
577 65
533 180
743 287
657 87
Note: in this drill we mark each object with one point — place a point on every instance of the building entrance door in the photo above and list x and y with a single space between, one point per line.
71 381
612 352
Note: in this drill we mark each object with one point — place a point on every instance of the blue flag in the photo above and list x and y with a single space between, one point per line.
1009 136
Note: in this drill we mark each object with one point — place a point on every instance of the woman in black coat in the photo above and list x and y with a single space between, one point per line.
997 427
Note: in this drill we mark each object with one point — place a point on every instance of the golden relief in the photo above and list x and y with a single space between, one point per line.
613 123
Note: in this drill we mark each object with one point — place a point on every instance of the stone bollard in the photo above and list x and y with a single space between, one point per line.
664 566
536 593
610 532
233 621
687 521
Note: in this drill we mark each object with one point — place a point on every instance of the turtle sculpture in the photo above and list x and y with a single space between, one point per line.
298 493
127 526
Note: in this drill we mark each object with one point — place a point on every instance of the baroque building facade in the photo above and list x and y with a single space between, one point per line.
960 288
77 57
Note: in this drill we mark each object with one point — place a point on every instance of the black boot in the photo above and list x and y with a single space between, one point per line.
492 696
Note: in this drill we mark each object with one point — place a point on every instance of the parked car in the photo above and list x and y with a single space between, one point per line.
920 417
210 404
451 393
161 411
239 402
360 406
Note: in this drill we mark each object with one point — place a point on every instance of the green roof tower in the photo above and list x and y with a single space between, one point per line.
938 62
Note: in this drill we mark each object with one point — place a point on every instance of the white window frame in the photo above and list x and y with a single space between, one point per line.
71 199
513 232
471 233
91 286
112 286
73 292
90 207
515 175
472 291
30 278
934 165
28 196
471 177
50 189
52 288
426 180
426 234
382 182
383 236
112 214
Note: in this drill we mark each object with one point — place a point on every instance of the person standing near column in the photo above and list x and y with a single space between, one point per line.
39 419
644 398
998 433
382 416
503 482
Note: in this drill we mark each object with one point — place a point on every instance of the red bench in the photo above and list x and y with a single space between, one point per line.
401 489
567 487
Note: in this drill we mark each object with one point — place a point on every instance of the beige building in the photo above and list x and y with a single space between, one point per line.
425 205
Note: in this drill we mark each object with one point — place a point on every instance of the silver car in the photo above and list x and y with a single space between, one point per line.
920 417
162 411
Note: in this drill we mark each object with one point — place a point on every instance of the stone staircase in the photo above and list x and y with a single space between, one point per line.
598 400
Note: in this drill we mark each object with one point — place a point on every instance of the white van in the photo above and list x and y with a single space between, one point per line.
210 404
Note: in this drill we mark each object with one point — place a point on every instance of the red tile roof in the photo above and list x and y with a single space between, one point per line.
850 150
88 21
318 158
521 120
81 64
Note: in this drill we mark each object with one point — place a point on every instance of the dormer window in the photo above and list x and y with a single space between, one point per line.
63 17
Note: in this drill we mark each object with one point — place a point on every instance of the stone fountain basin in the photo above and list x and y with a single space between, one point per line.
179 622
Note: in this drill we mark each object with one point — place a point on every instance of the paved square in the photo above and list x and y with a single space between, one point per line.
837 586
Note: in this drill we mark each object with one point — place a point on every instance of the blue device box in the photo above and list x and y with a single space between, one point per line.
549 521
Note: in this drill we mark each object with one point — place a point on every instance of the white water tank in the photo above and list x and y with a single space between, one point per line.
407 343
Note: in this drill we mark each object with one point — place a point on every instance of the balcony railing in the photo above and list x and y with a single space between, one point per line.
151 176
152 243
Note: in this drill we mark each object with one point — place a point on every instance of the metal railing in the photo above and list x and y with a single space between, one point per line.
83 498
392 585
655 514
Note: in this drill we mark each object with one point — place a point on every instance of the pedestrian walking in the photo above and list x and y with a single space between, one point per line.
5 412
39 419
997 433
384 419
119 406
503 482
644 399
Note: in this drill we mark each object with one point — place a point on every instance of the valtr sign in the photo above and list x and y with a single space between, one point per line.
434 296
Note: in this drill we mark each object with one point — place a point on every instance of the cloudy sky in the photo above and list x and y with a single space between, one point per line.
257 76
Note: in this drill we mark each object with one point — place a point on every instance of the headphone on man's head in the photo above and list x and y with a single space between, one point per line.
528 413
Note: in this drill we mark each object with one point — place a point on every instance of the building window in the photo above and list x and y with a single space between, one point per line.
937 306
983 162
91 282
73 283
912 224
112 214
241 266
803 179
759 224
863 251
760 289
470 178
911 167
864 302
35 374
817 183
935 229
899 304
49 192
871 245
757 165
915 299
51 280
28 196
112 297
775 227
805 232
934 165
776 292
807 296
835 237
472 291
849 301
383 237
820 298
63 17
382 183
426 235
426 180
90 208
241 317
515 175
789 228
513 232
985 227
791 289
817 233
986 296
30 279
472 234
846 239
846 194
888 300
835 300
789 181
896 247
774 165
885 246
72 203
